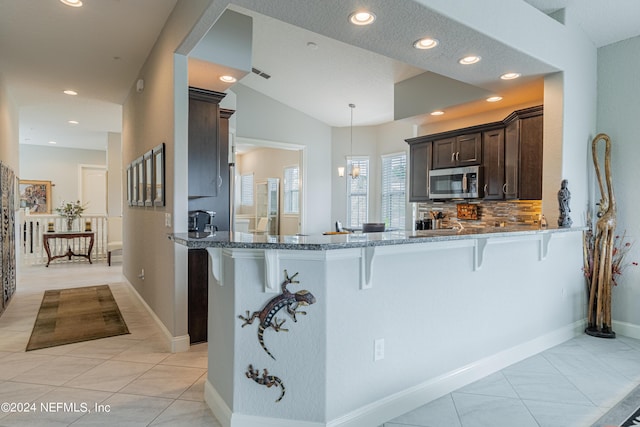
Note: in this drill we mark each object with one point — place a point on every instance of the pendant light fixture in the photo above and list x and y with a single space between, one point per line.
355 170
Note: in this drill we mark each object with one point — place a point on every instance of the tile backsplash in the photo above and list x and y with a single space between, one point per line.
490 213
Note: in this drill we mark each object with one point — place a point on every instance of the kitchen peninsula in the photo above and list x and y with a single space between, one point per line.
377 324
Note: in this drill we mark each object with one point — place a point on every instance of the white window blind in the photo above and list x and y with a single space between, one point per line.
292 190
394 184
246 190
357 192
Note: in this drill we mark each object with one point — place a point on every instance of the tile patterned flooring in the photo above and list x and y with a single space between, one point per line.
142 384
570 385
134 375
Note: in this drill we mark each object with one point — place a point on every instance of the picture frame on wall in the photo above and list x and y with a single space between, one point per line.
134 183
35 195
140 181
158 175
148 178
129 183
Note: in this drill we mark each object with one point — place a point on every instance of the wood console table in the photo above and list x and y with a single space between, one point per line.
68 235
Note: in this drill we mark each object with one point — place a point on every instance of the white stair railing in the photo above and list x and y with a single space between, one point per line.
32 250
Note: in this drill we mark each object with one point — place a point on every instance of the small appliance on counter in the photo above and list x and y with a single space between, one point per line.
201 221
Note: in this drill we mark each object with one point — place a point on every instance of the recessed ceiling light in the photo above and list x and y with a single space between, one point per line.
425 43
73 122
228 79
437 113
52 142
494 99
70 92
362 18
72 3
468 60
510 76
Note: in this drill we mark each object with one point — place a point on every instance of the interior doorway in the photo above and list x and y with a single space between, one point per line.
93 189
260 161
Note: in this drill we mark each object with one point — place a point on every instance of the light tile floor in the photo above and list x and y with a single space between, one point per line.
142 384
570 385
134 376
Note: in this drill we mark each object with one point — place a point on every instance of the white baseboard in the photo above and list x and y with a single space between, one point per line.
228 419
217 404
407 400
627 329
383 410
175 344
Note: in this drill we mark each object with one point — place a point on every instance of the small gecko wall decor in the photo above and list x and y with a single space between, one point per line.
267 315
266 380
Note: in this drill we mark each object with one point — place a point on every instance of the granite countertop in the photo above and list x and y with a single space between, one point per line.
225 239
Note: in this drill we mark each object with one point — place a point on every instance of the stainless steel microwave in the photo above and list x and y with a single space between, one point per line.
456 183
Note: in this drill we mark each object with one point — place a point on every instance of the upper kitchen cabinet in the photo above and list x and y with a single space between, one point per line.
523 154
204 146
460 150
493 155
419 164
510 152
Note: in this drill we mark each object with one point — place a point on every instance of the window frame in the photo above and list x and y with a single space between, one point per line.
385 193
365 193
287 192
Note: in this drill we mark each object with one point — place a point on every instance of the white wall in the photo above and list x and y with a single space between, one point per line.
374 142
58 165
260 117
8 129
115 175
160 114
618 110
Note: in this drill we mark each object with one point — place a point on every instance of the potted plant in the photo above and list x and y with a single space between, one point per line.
70 211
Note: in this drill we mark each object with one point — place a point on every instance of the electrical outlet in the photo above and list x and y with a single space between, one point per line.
141 275
378 349
167 220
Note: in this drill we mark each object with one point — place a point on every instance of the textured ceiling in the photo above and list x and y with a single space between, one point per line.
603 21
97 50
46 47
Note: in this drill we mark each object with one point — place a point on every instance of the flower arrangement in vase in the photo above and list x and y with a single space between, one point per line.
70 211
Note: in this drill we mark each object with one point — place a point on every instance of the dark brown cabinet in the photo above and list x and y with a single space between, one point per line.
420 163
209 190
198 295
493 162
523 154
461 150
204 147
510 152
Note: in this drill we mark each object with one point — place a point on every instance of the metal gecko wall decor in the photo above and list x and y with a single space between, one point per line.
266 380
267 317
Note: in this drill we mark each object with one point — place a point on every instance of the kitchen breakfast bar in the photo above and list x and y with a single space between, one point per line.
356 329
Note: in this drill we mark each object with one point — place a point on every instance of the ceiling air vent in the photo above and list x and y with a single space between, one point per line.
261 73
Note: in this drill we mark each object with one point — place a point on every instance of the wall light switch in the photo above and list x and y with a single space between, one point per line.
167 220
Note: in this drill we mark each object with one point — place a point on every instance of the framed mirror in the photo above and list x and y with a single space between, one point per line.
148 178
158 175
129 183
139 162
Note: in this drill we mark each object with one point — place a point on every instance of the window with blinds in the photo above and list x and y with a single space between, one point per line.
357 192
246 190
292 190
394 185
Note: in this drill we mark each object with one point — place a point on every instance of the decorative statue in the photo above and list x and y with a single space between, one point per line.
564 197
600 280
